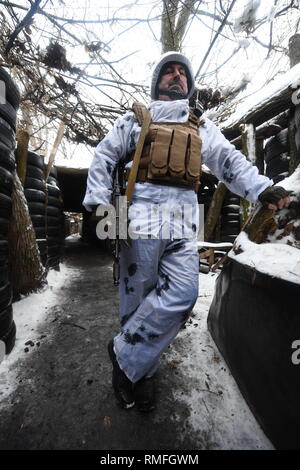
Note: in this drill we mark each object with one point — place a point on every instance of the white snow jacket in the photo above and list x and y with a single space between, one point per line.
219 155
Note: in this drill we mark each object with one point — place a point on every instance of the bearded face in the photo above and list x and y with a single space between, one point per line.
173 78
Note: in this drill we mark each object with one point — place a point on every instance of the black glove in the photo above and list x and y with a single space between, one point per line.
272 195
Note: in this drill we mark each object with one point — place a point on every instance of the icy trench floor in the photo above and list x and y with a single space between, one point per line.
208 390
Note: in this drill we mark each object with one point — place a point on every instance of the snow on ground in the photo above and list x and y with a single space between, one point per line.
217 408
30 313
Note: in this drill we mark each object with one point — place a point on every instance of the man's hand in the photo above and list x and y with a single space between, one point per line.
275 197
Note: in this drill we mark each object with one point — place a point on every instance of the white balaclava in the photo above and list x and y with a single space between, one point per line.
171 57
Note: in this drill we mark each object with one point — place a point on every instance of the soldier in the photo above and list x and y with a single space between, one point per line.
159 274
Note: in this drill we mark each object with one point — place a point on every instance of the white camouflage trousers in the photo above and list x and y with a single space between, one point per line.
158 289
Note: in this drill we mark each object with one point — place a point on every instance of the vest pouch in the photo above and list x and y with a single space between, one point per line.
177 153
159 153
193 161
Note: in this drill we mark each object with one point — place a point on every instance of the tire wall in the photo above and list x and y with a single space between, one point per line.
8 113
45 205
276 155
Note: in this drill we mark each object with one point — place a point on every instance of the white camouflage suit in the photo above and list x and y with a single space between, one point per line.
159 277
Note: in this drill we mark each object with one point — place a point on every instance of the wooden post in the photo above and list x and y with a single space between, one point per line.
214 210
58 139
249 146
21 154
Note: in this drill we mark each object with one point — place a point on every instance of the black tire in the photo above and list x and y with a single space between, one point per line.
230 231
11 89
54 221
5 296
232 209
3 261
276 145
6 181
8 113
54 241
34 183
7 134
54 251
10 338
53 191
34 195
230 217
297 116
4 272
38 220
54 211
7 158
53 262
54 231
3 249
4 226
54 201
53 173
40 232
280 177
35 160
6 320
277 165
43 246
234 224
52 181
44 259
231 198
297 138
34 172
5 206
228 238
36 208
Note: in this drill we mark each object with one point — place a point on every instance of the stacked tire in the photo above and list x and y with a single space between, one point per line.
276 156
206 190
230 218
8 112
35 193
55 221
297 127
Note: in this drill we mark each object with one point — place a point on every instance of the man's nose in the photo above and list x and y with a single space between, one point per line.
176 75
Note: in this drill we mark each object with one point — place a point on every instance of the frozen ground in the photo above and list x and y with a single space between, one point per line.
56 393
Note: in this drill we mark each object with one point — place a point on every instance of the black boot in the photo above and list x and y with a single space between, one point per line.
122 386
144 394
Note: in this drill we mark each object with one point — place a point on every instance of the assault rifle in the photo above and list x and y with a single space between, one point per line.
118 190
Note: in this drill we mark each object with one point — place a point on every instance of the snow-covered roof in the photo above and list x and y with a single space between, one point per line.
291 79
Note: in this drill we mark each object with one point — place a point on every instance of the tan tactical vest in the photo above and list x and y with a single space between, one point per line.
171 153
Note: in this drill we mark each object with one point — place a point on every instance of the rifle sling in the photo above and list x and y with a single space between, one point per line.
137 157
